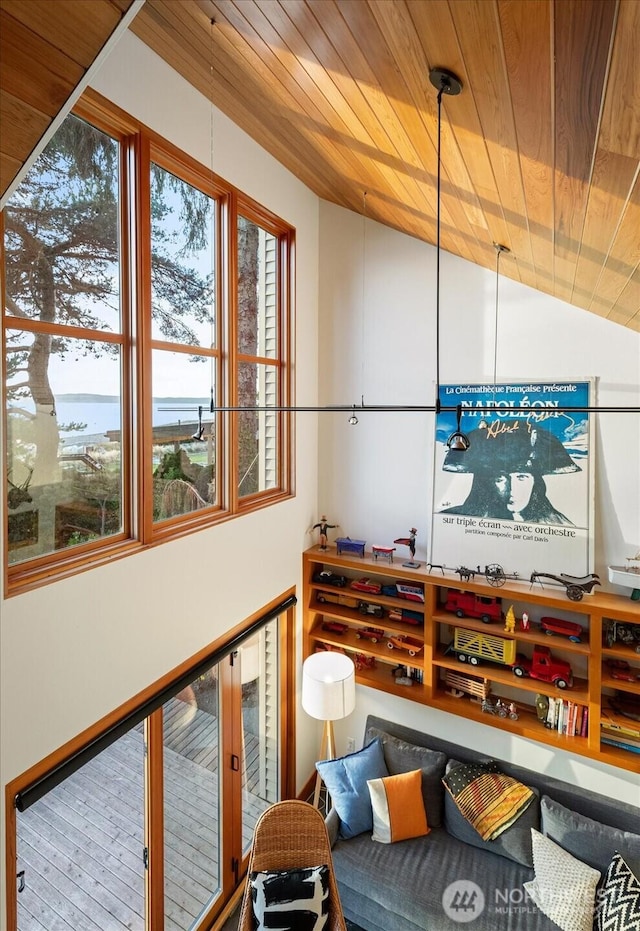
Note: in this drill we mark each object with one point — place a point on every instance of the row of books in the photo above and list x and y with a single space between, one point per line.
568 717
617 731
615 738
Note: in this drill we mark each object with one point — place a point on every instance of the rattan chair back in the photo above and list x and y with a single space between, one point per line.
288 835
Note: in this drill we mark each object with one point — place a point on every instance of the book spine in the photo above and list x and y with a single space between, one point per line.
585 722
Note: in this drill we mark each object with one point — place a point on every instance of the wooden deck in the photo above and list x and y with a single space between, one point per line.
81 846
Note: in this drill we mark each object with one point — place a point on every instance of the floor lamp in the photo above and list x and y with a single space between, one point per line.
328 694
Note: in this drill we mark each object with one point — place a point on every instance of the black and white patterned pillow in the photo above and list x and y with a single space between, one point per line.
291 900
619 899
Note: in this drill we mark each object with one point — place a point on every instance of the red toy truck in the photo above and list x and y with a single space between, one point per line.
466 604
545 667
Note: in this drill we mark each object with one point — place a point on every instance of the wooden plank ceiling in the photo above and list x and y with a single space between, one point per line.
540 152
45 49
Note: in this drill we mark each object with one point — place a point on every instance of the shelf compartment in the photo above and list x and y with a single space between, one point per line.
611 683
349 641
385 601
527 724
353 616
554 642
579 692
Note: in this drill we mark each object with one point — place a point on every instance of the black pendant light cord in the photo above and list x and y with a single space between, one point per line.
439 172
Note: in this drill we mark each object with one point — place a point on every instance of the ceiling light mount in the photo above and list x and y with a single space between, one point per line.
445 81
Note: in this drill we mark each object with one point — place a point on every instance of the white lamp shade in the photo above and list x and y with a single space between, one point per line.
328 686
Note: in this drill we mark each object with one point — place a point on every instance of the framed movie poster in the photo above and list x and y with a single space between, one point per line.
521 495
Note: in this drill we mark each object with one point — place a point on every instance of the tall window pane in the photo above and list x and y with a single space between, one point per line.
258 442
259 673
64 452
192 817
184 434
182 261
63 393
61 235
257 290
81 847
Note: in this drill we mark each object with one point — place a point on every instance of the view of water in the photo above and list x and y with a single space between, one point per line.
100 416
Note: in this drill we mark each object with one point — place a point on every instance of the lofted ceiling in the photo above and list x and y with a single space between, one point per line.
540 151
46 49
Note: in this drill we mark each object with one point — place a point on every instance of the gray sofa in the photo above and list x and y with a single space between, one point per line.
400 886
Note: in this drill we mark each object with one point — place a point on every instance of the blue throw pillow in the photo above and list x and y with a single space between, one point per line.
346 782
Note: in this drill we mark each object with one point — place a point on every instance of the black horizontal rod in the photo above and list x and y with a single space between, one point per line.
410 409
72 764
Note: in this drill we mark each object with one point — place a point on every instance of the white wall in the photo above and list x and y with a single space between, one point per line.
375 477
75 650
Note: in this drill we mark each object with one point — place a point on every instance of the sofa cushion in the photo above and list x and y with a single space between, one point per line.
618 899
488 799
346 782
403 886
403 757
564 888
514 843
290 899
591 841
398 809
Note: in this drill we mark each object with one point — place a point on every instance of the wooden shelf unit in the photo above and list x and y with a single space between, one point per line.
592 682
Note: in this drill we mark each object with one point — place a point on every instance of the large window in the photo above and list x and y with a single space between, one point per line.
145 301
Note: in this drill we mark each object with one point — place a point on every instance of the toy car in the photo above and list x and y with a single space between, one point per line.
405 616
554 625
335 627
402 642
620 669
411 592
365 607
325 577
366 585
467 604
370 633
337 599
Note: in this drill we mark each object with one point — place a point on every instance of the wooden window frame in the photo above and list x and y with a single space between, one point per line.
139 146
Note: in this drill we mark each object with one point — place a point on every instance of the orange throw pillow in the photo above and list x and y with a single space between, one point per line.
398 807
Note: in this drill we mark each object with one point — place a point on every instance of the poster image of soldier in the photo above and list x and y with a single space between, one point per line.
509 459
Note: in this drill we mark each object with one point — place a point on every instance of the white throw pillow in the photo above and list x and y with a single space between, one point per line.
291 899
564 888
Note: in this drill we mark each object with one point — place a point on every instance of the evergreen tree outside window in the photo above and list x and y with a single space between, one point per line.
127 323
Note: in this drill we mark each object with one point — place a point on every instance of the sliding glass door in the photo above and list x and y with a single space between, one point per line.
154 831
192 811
260 727
80 848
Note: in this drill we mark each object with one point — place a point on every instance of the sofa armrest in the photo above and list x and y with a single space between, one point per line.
332 822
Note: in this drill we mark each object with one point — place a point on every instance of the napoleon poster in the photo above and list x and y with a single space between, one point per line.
521 495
